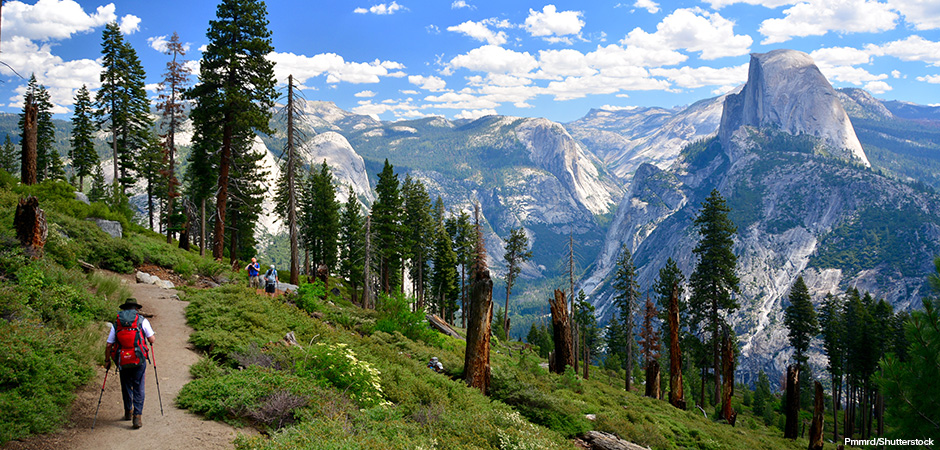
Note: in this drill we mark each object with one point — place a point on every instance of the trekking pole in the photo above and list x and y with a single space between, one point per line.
99 398
156 377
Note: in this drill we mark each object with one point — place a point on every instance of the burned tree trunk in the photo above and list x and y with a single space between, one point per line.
30 224
816 429
727 389
652 379
30 143
477 358
676 397
561 328
791 430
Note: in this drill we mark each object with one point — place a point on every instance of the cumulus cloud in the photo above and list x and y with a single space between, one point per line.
475 114
432 83
932 79
380 9
649 5
61 78
696 77
912 48
480 32
364 94
52 19
849 74
924 14
695 30
718 4
159 43
334 66
565 62
897 74
129 24
877 87
494 59
461 4
840 56
818 17
550 22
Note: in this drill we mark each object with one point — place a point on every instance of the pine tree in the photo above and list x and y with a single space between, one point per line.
99 190
9 157
387 229
714 279
171 105
649 338
461 232
351 242
590 333
83 154
800 320
150 167
832 326
670 277
444 285
319 216
517 252
419 231
626 299
246 191
48 164
235 94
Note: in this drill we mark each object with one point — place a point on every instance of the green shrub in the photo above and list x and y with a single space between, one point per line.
395 314
338 365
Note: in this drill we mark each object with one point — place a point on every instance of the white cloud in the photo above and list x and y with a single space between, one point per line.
932 79
52 19
913 48
718 4
458 4
608 82
818 17
491 58
840 56
649 5
479 31
364 94
61 78
159 43
380 9
849 74
334 66
129 24
409 92
695 30
613 56
696 77
152 87
896 74
460 100
433 29
877 87
550 22
565 62
475 114
924 14
617 108
427 83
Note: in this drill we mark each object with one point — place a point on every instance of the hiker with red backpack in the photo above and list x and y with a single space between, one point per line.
129 345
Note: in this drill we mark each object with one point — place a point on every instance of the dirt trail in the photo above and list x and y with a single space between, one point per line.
176 429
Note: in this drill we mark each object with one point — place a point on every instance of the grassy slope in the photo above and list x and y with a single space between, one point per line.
246 378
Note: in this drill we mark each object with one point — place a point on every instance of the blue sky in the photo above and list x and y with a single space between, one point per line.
467 58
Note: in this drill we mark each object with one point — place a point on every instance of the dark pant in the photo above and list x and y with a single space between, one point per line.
132 388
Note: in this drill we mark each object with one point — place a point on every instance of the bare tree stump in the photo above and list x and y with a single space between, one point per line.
676 397
30 224
816 429
727 412
791 430
561 327
477 357
29 155
652 379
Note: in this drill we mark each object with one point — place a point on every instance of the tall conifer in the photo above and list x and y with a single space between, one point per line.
82 152
626 300
387 228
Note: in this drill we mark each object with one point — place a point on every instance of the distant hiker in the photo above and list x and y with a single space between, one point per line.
435 365
129 346
254 273
270 281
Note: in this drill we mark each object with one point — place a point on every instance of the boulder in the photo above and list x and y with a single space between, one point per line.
145 278
606 441
165 284
286 287
112 227
80 196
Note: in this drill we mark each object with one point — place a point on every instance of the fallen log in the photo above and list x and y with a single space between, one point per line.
441 325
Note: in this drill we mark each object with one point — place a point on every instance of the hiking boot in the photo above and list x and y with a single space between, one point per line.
127 414
136 423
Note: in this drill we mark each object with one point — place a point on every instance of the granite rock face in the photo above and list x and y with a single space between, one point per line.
786 91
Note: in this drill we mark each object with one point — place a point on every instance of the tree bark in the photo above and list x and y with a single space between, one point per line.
367 268
477 357
727 412
816 429
652 379
676 396
791 430
30 224
31 130
561 328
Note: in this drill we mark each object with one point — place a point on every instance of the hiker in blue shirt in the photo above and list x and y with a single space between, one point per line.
270 281
254 273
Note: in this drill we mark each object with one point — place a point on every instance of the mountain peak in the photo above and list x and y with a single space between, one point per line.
786 91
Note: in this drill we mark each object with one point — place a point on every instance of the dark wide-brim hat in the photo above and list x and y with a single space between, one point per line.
131 303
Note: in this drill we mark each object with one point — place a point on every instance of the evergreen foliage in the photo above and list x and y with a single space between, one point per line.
171 105
462 234
48 163
9 156
82 153
589 333
233 99
319 216
419 235
387 228
444 279
352 242
800 320
626 301
516 253
150 166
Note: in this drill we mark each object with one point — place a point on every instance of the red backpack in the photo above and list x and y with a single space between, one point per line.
130 349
